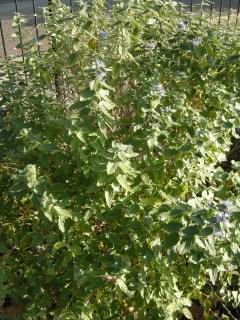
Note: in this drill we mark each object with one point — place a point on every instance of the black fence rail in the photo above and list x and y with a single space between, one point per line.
221 11
12 38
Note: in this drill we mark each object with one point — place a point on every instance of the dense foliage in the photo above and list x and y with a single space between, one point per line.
114 204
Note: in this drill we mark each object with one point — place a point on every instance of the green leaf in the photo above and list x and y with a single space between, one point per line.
172 227
123 182
170 240
213 275
108 198
62 214
73 58
57 246
111 167
205 232
123 287
164 208
190 231
31 175
186 312
177 212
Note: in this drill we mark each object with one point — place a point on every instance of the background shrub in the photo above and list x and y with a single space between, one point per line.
114 203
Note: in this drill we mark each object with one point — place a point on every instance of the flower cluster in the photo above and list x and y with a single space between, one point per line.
168 110
182 26
100 64
103 34
101 74
225 213
100 69
222 217
196 42
151 21
150 45
158 89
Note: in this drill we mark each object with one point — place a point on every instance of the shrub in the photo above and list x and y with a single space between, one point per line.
114 203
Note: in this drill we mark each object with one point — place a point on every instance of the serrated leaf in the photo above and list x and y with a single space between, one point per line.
62 214
186 312
172 227
108 198
61 225
103 107
206 231
111 168
190 231
213 275
123 182
123 287
80 136
176 212
170 240
57 246
31 175
73 58
164 208
126 168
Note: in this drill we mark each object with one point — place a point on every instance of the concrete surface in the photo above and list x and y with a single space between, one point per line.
7 7
7 10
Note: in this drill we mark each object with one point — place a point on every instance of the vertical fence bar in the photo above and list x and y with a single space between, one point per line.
229 10
191 6
180 6
211 10
71 5
36 24
201 12
19 31
238 9
220 12
3 41
5 52
56 74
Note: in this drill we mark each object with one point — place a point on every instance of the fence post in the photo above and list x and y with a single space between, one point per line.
3 40
36 24
57 81
19 31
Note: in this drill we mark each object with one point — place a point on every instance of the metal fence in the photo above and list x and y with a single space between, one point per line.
10 45
220 10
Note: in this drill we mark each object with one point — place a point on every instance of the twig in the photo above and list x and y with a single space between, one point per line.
223 304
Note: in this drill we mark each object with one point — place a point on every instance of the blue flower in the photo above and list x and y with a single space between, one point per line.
217 232
100 69
150 46
182 26
224 214
227 204
103 34
100 64
220 216
101 74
